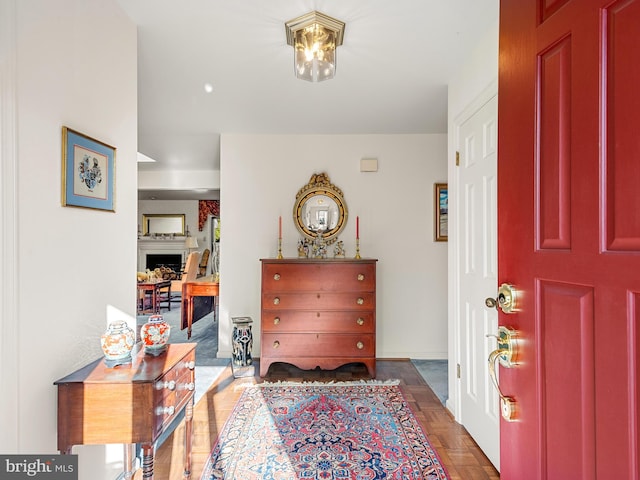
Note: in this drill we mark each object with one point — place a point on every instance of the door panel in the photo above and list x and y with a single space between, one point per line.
621 104
554 161
569 235
565 353
478 186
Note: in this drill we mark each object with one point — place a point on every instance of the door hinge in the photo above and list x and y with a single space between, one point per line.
457 370
457 159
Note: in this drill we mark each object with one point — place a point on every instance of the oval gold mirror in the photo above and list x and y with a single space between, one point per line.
320 209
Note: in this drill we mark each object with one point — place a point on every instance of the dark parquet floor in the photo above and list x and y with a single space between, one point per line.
457 450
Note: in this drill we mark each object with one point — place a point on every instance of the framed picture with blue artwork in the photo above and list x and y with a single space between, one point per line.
441 200
88 172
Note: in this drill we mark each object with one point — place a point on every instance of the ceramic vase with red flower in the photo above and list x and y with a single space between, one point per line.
155 335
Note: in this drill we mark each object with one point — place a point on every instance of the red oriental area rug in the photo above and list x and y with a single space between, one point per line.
350 430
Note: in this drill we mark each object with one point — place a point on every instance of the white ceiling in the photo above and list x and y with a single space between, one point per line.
392 71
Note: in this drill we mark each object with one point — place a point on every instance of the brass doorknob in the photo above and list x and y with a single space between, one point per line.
506 299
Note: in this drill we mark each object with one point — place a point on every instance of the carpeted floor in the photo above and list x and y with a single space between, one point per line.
435 373
319 431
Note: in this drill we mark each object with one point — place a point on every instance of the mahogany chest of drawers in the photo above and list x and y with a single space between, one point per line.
129 404
318 313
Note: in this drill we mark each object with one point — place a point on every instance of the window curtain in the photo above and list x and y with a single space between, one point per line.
206 208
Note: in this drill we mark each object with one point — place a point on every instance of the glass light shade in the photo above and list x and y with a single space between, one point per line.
315 57
314 37
191 242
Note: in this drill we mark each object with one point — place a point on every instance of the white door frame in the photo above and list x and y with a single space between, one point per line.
455 349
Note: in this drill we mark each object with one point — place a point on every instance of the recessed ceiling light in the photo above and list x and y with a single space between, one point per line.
208 87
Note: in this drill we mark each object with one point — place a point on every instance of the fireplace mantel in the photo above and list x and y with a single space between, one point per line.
159 246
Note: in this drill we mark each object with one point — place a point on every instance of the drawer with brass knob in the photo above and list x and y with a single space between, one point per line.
333 276
317 345
319 301
319 321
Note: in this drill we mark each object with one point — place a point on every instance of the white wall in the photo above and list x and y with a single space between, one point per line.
75 65
476 79
260 177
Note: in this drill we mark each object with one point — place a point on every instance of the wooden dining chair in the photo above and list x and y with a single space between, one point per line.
189 274
202 268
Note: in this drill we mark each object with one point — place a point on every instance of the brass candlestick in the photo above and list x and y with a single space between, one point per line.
357 249
279 248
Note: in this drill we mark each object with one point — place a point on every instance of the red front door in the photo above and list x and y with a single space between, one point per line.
569 236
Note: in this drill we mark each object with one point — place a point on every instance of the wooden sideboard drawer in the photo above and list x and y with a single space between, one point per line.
319 301
172 391
318 345
318 321
319 277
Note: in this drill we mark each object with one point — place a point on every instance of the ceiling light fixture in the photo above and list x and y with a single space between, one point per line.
314 38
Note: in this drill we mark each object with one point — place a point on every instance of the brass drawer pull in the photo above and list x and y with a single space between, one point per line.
360 321
360 301
276 344
165 410
360 277
190 364
191 386
276 320
360 345
276 301
276 277
170 385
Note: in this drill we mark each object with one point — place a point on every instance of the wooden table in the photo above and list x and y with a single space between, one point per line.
129 404
203 287
154 287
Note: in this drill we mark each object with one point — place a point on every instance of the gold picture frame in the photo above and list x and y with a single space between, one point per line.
441 203
88 172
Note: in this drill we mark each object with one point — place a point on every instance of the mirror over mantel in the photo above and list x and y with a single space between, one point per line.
163 224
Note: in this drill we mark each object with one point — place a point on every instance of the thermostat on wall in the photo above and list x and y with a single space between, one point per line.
368 164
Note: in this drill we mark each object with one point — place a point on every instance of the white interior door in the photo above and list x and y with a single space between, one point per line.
477 180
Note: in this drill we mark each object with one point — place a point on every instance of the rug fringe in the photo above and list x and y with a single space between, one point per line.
333 383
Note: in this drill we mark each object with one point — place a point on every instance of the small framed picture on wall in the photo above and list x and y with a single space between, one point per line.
88 172
441 202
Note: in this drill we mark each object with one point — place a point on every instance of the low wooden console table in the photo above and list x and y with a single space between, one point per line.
129 404
201 287
154 288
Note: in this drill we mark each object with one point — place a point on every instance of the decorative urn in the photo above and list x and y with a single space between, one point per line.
155 335
117 343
